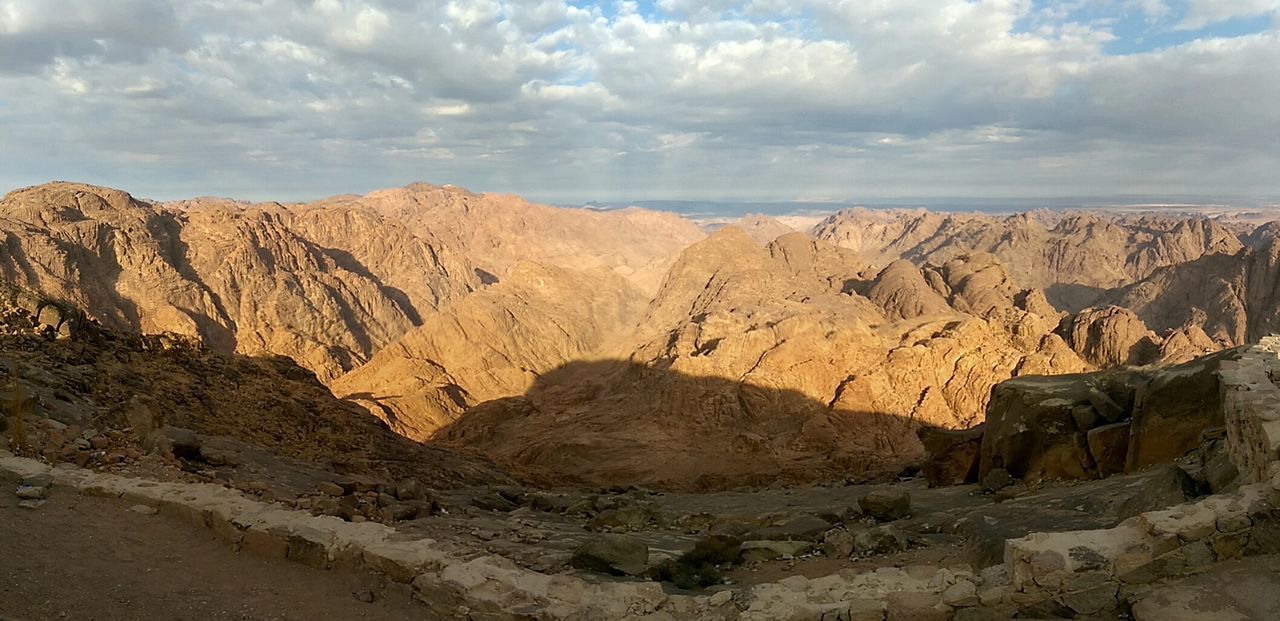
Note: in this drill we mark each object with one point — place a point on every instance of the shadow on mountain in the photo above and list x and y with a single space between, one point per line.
99 378
616 422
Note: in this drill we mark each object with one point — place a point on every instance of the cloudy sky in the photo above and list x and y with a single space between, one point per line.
569 101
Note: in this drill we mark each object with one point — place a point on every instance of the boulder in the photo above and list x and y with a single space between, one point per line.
996 479
879 540
951 456
886 504
1174 408
183 443
1036 426
837 543
630 517
612 554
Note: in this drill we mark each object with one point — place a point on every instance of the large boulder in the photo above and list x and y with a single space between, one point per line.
1174 408
886 504
620 555
951 456
1036 428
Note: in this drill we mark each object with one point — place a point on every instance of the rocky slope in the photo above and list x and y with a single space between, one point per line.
767 358
319 287
96 378
494 343
1073 257
327 284
496 231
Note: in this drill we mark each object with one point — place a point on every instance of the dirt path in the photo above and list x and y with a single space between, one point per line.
90 558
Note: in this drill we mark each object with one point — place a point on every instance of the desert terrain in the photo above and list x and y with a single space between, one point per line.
442 400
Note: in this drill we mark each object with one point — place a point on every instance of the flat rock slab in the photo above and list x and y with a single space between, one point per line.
1243 590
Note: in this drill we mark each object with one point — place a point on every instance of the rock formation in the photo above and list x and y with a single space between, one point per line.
1073 257
494 343
101 378
753 354
496 232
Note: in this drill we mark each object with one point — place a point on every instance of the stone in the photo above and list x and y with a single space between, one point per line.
960 595
43 479
720 598
408 489
365 596
996 479
183 443
760 551
631 517
28 492
1092 600
879 540
914 606
612 554
951 457
329 488
144 509
1171 486
30 504
494 501
803 528
1109 446
837 543
886 504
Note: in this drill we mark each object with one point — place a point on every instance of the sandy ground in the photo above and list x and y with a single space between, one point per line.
90 558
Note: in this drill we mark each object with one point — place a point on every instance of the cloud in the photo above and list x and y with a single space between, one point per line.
755 99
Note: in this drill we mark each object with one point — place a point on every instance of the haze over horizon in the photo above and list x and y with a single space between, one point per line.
569 102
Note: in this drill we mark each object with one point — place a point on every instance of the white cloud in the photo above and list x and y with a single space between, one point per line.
762 97
1201 13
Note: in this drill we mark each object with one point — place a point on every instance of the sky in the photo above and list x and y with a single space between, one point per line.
565 101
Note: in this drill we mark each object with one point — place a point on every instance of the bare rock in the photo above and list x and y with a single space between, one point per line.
612 554
886 504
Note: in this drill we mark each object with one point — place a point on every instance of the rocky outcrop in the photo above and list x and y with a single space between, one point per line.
902 292
1091 425
1110 336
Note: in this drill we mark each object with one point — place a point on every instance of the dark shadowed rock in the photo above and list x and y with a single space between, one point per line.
1109 444
1170 487
951 456
1173 409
